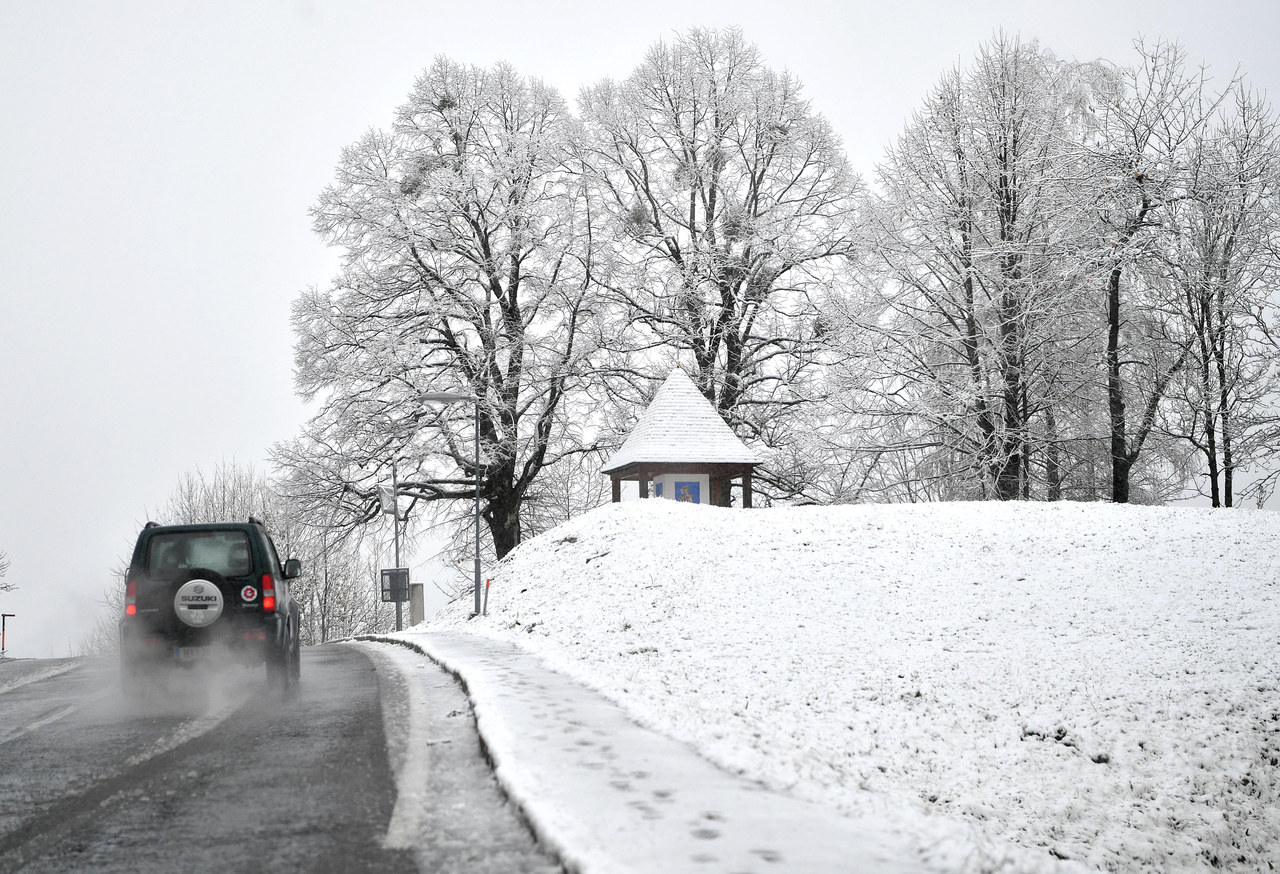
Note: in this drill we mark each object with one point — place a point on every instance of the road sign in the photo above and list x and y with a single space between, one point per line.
395 584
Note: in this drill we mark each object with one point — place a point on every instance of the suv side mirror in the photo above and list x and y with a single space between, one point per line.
292 568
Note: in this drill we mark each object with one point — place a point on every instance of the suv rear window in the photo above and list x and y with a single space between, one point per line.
225 552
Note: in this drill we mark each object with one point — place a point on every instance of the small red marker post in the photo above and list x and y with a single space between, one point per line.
4 617
485 611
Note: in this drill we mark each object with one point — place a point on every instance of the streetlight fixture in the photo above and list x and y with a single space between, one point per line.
448 397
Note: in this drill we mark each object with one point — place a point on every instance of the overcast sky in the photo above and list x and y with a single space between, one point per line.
159 158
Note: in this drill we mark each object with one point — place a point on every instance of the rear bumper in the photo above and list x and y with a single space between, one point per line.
248 640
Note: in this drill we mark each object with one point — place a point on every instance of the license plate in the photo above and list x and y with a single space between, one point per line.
186 653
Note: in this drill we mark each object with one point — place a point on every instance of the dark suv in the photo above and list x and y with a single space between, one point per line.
196 591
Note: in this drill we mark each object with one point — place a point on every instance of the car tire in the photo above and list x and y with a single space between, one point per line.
281 674
278 668
295 650
295 662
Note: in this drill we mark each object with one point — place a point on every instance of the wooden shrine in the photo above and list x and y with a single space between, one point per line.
684 449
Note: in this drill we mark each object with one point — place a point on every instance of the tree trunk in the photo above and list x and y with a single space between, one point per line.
1120 466
1012 448
1120 461
1210 416
502 513
1052 456
504 528
1224 418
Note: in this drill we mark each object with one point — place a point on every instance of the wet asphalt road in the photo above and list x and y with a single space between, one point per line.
221 773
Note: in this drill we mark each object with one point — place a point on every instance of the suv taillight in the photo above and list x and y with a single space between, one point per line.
131 598
268 593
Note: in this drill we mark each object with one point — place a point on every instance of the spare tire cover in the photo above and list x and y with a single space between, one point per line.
198 603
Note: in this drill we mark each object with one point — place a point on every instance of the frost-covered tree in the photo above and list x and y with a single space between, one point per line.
466 267
1062 290
969 332
232 493
1134 173
5 585
341 591
727 210
1224 263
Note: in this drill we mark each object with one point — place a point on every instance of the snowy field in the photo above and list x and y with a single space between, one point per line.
1087 682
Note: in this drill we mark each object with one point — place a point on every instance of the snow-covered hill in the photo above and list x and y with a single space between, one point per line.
1094 682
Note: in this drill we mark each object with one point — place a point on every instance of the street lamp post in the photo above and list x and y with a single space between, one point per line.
395 529
447 397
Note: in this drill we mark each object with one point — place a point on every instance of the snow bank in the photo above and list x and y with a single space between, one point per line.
1094 682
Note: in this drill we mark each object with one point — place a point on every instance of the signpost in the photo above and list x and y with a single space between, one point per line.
4 617
395 586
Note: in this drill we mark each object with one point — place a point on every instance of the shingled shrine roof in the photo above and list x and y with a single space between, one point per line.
681 426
